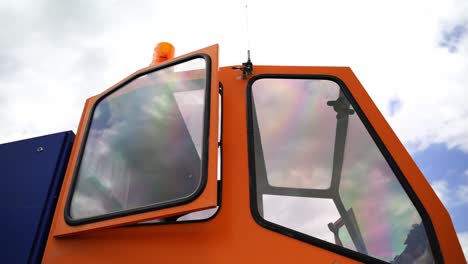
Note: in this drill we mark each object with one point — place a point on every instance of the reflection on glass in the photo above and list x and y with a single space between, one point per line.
337 185
196 215
290 212
381 206
144 144
297 131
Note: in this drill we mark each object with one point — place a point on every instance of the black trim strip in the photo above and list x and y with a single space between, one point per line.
205 155
220 146
429 228
338 152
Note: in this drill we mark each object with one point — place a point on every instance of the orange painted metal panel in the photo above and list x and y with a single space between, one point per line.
207 199
233 236
445 232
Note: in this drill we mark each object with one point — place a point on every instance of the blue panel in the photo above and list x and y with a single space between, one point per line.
31 172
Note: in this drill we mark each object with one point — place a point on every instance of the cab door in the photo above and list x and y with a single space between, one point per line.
146 148
326 168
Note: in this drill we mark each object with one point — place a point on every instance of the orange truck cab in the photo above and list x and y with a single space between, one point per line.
187 162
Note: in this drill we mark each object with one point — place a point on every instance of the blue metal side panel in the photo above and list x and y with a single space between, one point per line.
31 174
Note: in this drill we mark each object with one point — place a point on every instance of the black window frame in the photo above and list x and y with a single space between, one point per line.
254 208
204 157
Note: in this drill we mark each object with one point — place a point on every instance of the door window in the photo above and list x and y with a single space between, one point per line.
318 172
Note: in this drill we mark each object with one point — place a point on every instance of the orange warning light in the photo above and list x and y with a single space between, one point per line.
162 52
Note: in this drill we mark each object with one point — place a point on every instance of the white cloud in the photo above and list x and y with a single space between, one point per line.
462 194
450 197
441 189
432 95
54 61
463 237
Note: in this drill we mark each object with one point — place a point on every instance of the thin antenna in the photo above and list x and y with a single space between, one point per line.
247 67
247 26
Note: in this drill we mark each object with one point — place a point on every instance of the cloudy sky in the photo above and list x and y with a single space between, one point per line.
411 56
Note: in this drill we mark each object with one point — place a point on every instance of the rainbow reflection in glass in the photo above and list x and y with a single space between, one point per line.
362 207
144 144
297 131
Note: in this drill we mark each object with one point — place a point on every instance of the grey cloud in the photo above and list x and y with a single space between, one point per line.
56 53
62 24
8 64
51 25
53 20
88 18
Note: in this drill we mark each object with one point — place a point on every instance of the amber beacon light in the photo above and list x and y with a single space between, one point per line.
162 52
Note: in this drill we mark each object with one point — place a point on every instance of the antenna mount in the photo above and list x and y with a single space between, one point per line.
246 68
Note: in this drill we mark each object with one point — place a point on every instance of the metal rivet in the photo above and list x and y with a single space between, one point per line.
39 149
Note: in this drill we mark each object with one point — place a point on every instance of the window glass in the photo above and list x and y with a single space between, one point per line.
296 150
202 214
144 144
370 188
289 211
320 173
